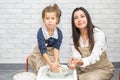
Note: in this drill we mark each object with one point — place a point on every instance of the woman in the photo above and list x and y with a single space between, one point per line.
89 49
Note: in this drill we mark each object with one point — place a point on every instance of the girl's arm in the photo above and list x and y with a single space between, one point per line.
57 46
54 66
41 42
56 55
42 47
46 58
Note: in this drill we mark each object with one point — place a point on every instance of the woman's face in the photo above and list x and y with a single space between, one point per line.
80 19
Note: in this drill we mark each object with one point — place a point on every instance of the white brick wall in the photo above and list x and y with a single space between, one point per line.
20 20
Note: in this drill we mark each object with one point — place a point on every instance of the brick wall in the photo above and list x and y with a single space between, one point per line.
20 20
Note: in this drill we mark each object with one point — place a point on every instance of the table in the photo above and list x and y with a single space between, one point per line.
43 76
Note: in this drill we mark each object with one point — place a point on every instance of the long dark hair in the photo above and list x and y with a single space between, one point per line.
76 32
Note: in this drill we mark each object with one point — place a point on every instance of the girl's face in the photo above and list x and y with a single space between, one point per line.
50 20
80 19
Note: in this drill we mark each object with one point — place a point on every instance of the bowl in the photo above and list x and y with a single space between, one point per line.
63 72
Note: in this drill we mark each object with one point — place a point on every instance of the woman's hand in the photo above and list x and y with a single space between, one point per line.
72 63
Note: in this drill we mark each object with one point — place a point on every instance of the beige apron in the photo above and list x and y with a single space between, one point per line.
36 60
101 70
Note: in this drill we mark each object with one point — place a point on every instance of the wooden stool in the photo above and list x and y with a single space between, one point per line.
25 75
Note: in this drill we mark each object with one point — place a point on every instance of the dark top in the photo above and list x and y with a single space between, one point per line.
51 42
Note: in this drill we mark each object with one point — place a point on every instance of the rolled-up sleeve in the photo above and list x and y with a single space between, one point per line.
59 40
41 42
99 47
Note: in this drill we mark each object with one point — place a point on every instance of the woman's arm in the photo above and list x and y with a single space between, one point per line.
99 47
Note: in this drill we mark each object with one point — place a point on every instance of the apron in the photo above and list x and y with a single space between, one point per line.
101 70
36 60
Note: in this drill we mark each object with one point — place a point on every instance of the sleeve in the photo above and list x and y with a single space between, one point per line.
41 42
59 40
99 47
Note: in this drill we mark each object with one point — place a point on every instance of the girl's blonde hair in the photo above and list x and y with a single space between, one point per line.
52 8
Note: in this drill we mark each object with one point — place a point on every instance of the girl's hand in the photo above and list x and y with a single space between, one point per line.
54 67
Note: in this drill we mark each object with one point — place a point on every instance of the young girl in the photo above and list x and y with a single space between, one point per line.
49 41
89 49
